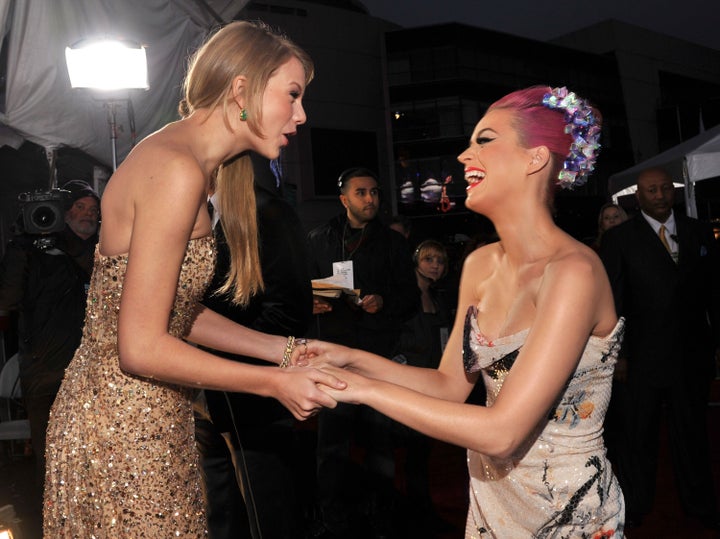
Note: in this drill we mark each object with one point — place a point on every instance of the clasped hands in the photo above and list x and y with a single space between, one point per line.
340 382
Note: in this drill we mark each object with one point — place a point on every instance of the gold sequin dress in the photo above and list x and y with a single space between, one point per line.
121 456
560 484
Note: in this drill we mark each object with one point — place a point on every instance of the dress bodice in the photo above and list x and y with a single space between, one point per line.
558 483
107 283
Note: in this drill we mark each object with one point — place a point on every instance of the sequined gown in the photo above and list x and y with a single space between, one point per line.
560 484
121 457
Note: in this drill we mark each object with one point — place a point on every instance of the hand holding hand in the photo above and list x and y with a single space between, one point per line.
301 390
355 390
317 353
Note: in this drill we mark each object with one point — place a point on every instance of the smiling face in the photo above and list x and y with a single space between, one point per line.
282 109
493 158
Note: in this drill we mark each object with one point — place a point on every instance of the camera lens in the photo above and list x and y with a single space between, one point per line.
44 217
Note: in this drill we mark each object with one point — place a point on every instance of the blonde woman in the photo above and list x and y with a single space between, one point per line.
610 215
121 455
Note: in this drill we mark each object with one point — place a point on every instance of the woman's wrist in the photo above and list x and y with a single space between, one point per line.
287 352
291 343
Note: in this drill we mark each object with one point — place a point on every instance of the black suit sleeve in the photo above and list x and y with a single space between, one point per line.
402 300
713 275
284 307
611 256
286 304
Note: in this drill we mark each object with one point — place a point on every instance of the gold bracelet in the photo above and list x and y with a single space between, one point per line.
289 347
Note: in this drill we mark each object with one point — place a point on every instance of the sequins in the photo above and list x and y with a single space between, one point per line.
121 458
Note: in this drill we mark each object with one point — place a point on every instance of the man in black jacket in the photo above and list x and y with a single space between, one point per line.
260 432
46 278
381 264
663 268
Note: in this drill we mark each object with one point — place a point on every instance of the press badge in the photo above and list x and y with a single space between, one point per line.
343 274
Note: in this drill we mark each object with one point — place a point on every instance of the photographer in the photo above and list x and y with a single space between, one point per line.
45 276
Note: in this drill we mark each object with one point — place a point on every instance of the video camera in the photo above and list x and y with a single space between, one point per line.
43 212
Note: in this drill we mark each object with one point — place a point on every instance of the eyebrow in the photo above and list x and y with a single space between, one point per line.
485 129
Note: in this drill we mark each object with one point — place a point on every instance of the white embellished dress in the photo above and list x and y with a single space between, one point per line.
121 455
560 483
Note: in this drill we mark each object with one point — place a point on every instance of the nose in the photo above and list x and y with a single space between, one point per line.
463 157
300 117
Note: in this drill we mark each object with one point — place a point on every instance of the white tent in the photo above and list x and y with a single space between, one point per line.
691 161
39 104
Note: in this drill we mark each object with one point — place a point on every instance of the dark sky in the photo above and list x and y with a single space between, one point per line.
697 21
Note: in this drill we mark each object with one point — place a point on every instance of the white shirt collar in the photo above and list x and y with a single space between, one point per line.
669 223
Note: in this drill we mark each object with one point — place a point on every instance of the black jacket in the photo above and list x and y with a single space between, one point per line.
382 264
283 308
671 310
48 287
421 337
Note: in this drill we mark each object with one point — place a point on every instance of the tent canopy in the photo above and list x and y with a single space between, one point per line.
691 161
39 104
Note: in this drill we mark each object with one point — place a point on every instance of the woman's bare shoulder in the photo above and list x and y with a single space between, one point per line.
485 255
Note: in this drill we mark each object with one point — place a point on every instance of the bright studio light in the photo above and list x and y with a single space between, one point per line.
107 65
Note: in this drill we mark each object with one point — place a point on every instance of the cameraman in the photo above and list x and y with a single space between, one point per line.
45 278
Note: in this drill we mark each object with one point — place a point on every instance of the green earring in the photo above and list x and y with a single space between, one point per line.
243 114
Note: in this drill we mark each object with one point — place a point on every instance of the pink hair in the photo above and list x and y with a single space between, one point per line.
538 125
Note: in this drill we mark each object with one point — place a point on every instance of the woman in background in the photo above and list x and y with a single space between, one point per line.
422 340
610 215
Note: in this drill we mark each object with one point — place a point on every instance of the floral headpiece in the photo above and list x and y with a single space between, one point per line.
585 131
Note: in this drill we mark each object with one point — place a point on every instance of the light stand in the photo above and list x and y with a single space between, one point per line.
111 106
108 66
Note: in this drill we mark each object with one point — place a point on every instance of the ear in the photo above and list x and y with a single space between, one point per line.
539 159
343 201
238 90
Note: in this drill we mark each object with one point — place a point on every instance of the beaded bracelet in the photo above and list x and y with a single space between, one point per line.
289 347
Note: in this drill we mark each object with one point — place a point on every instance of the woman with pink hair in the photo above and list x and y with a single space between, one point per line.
535 320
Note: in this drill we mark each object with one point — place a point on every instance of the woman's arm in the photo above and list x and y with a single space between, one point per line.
449 381
215 331
165 217
567 308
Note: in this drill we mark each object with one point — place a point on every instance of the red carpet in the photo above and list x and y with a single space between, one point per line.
448 481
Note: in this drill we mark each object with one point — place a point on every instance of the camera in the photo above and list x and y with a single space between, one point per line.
43 212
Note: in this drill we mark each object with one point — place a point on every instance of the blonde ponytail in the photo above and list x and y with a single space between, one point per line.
238 218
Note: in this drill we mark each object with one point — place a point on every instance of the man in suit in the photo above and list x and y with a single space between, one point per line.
663 268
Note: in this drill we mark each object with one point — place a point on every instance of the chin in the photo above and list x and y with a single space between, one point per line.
471 205
269 153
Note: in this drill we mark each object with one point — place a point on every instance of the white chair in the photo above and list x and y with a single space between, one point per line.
11 428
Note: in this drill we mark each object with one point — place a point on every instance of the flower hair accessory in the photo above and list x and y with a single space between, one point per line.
582 125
